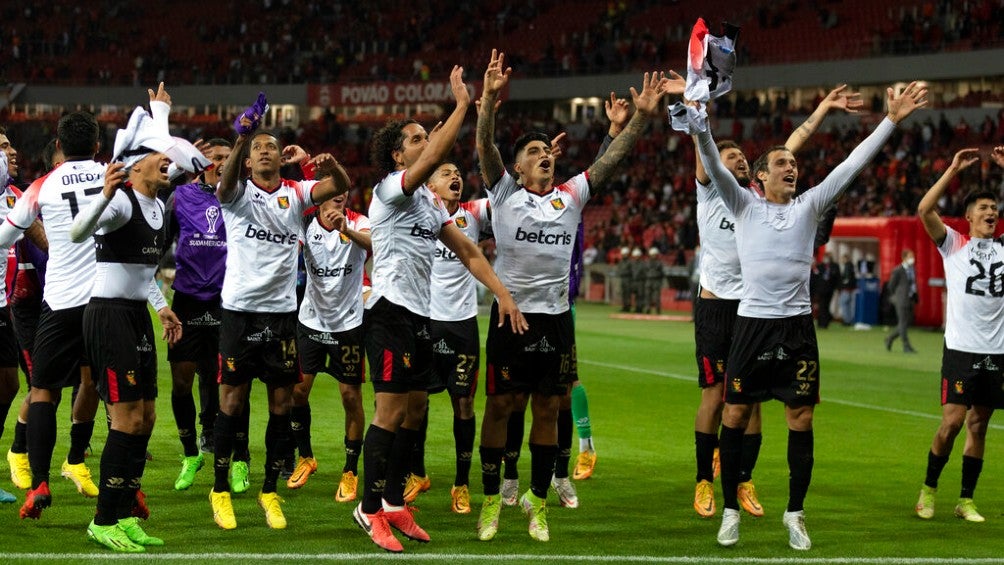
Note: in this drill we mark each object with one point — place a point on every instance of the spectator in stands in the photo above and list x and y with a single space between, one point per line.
848 286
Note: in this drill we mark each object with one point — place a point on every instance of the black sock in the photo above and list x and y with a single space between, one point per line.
417 463
705 448
241 442
971 468
800 460
491 463
209 394
398 465
935 464
276 449
353 447
513 443
137 464
41 440
114 477
564 454
80 438
377 445
299 423
223 447
541 467
751 452
183 406
730 451
463 438
20 443
4 409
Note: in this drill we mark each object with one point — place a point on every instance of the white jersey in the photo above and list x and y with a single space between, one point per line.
128 280
720 272
333 299
974 275
404 234
58 197
8 198
534 237
775 241
263 235
454 288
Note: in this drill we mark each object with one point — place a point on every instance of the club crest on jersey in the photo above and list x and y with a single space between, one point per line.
283 202
343 238
461 222
10 201
557 204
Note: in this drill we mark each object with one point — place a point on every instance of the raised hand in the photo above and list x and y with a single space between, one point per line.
849 102
618 111
556 150
460 92
675 84
325 163
160 96
900 106
966 157
997 154
250 119
647 101
293 154
115 176
497 74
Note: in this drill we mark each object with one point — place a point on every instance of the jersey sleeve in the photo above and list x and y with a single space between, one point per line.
578 186
239 192
390 190
826 192
362 223
953 240
735 197
503 189
26 208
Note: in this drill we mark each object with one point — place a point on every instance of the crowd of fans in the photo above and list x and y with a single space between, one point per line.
296 41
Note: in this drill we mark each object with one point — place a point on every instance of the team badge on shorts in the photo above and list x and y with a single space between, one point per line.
231 364
959 389
406 359
737 385
557 204
504 371
131 378
283 202
461 222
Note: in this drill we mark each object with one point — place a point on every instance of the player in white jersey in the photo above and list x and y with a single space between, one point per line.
972 365
774 352
456 346
407 219
534 223
263 216
330 333
717 304
58 355
8 341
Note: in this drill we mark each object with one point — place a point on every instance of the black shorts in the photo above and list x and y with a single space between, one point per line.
59 348
972 379
340 354
542 360
200 329
8 340
399 348
456 353
25 315
714 325
258 345
773 358
118 336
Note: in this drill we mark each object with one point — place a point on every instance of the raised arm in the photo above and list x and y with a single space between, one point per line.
729 189
647 105
496 77
927 210
838 98
441 139
362 238
88 220
618 112
336 182
227 188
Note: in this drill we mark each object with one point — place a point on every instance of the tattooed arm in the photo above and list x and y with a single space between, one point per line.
850 102
496 77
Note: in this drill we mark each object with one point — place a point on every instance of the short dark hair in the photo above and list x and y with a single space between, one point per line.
3 130
385 142
977 194
48 152
220 142
525 139
727 144
77 133
762 160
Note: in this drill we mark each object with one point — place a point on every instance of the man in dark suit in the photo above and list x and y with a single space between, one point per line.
903 296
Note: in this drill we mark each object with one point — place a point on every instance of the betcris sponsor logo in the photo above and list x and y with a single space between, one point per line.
424 233
727 225
444 253
323 271
543 238
263 234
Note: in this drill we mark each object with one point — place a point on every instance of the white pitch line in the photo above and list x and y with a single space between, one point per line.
434 557
691 378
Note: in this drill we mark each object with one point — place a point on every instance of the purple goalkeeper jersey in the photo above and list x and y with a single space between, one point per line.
201 253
